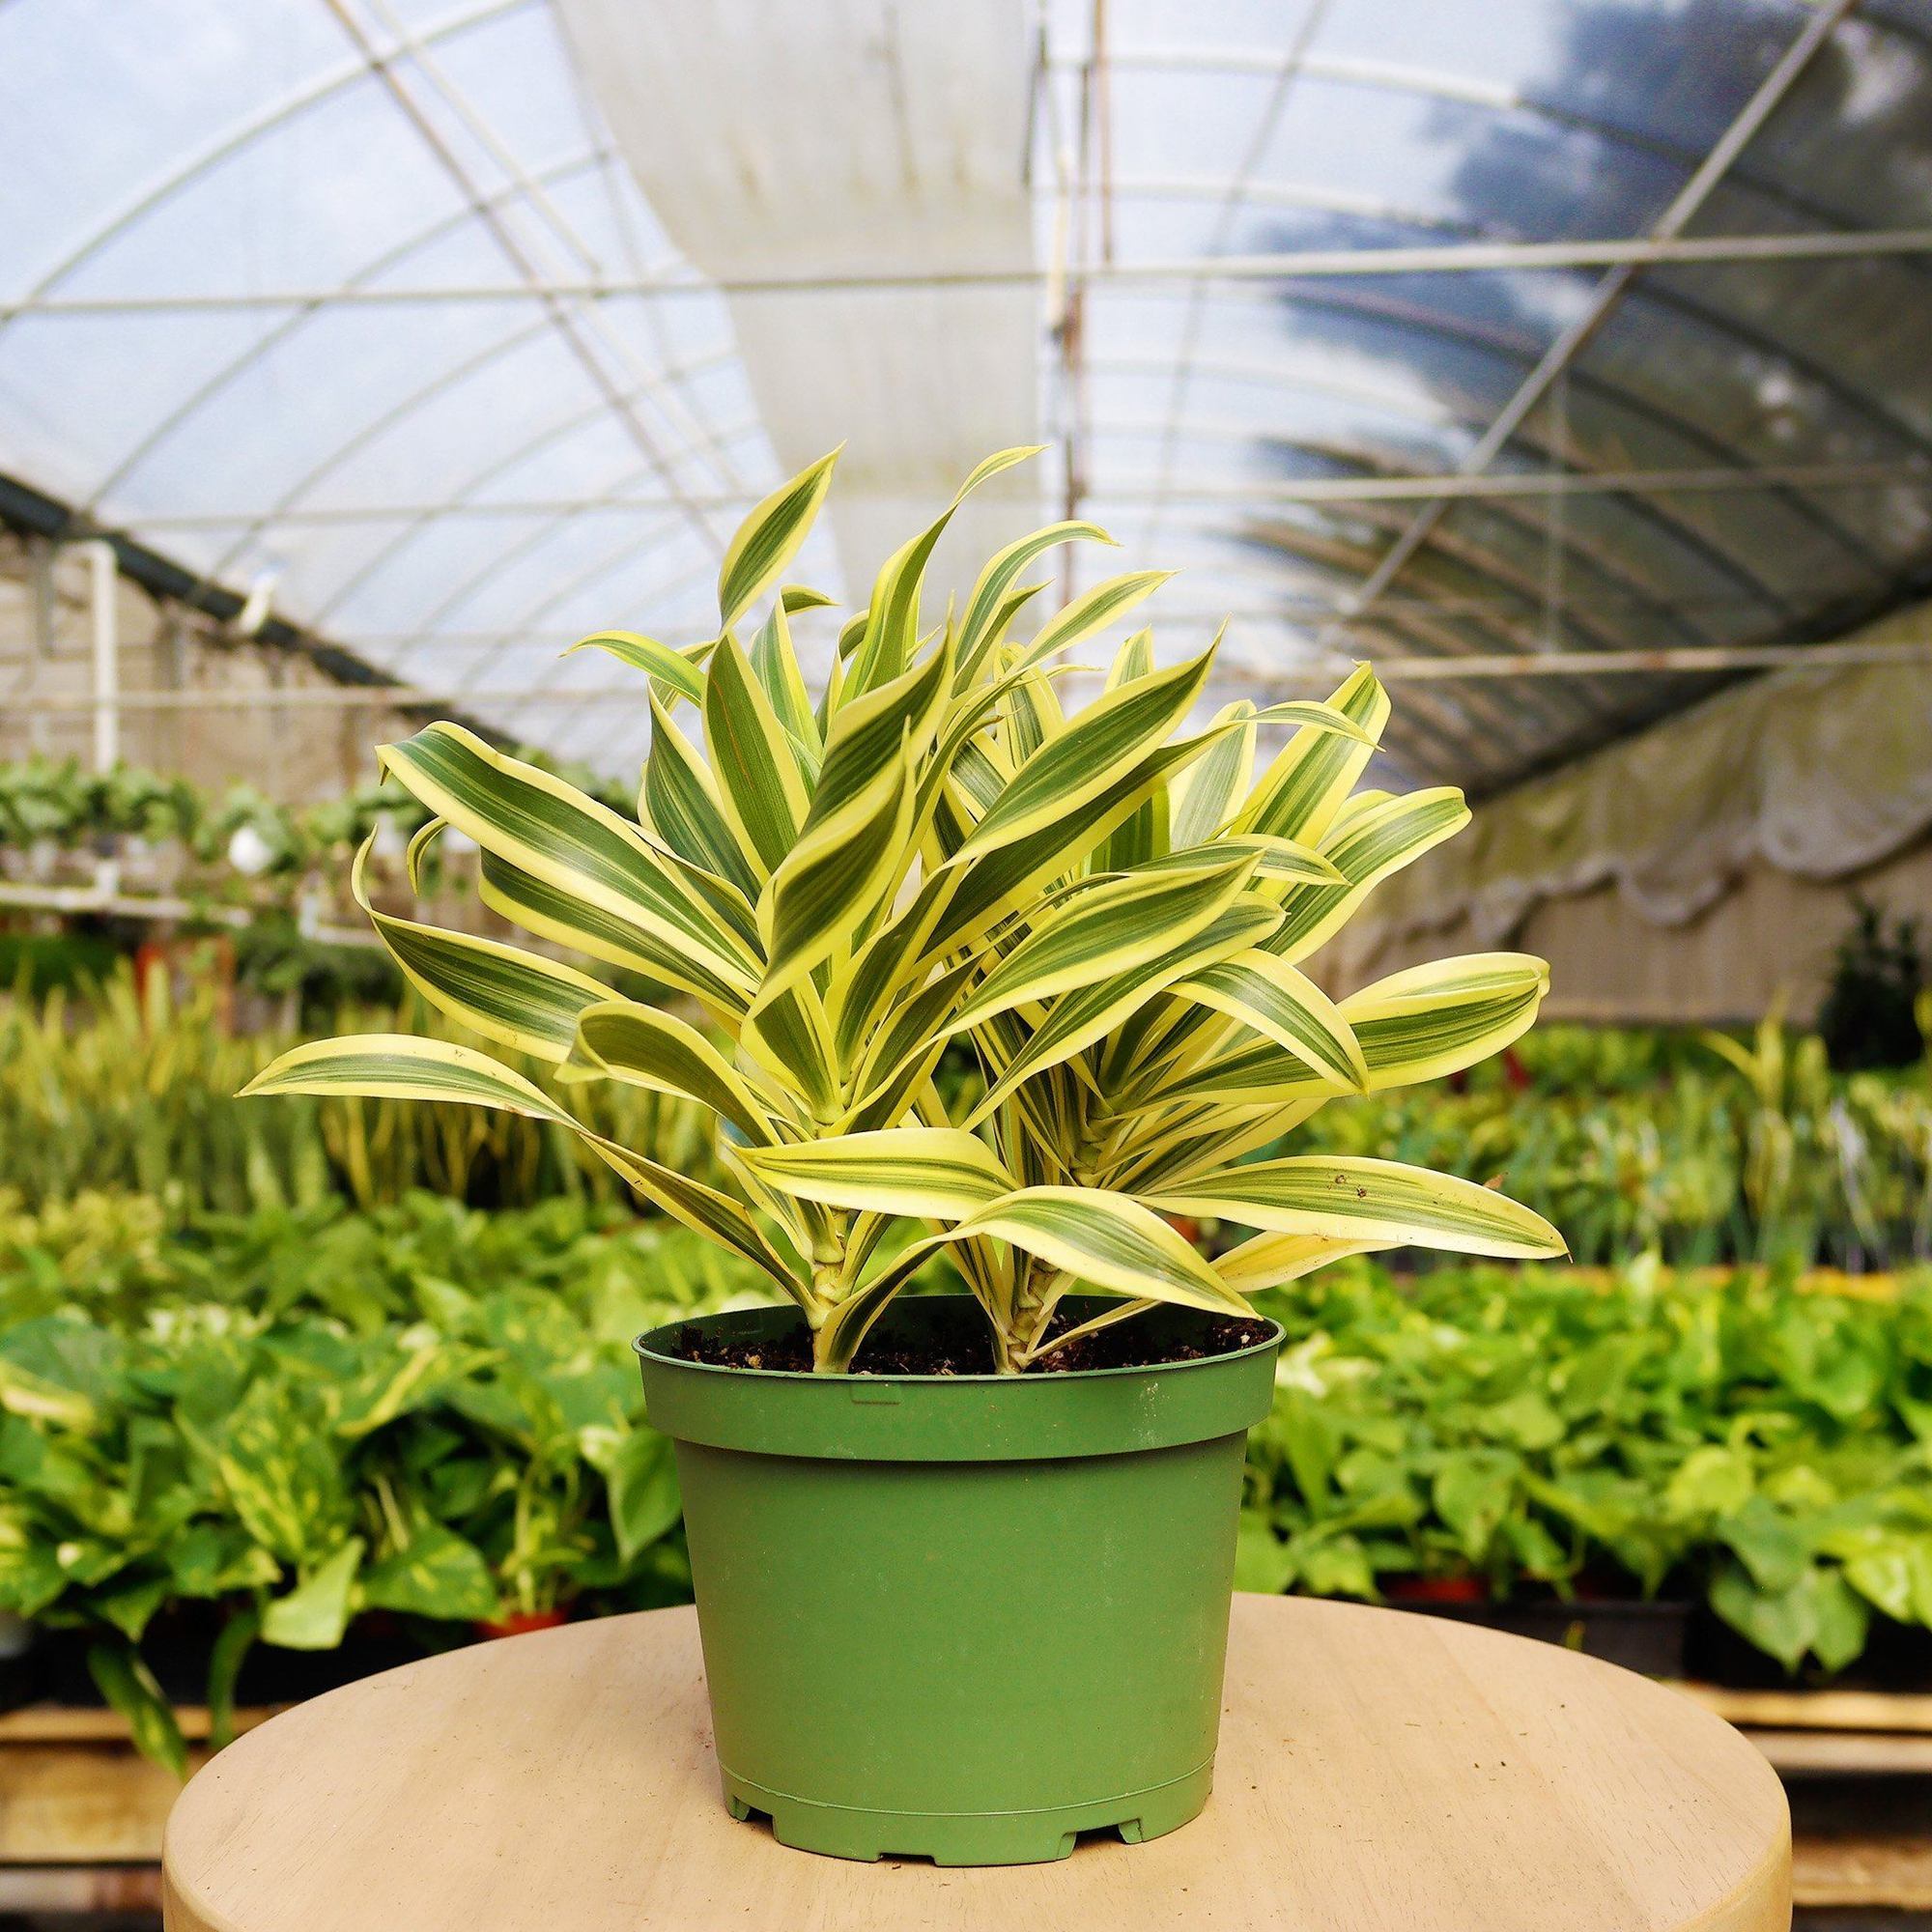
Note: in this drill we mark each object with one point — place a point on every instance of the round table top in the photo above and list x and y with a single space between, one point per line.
1375 1769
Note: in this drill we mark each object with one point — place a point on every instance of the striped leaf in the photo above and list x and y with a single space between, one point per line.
990 608
680 804
1280 859
759 786
1204 798
938 1173
1302 789
516 997
1284 1005
1437 1019
1107 1240
1077 1019
885 648
399 1067
669 668
975 896
1093 610
549 913
1365 846
791 1036
622 1039
547 829
1270 1261
836 876
769 538
1100 747
1354 1198
775 664
1108 929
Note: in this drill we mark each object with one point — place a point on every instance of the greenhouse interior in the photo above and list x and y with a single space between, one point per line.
1249 686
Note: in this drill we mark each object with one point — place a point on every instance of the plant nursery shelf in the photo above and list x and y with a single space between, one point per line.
1375 1770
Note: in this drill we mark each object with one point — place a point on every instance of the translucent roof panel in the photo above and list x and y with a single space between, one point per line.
356 298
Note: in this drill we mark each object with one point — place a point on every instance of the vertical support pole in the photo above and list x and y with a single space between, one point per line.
103 586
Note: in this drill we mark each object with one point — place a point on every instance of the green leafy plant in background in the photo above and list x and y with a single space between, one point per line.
133 1089
1867 1019
1110 917
295 1418
1745 1441
260 1429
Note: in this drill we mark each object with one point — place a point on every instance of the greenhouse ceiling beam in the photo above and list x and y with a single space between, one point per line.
571 321
1465 91
1292 489
1289 265
232 140
1666 233
1292 65
1688 660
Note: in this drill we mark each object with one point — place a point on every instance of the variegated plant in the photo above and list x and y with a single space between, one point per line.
1109 917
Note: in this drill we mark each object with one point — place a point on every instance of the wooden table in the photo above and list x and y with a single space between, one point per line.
1376 1769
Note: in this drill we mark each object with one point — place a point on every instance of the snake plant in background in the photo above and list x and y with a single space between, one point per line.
1107 909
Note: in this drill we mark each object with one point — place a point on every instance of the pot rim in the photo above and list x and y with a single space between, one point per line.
980 1417
641 1347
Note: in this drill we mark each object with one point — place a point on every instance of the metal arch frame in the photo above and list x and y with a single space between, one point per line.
1203 492
1390 78
1695 434
1569 342
534 613
467 587
1407 317
294 323
541 532
1336 555
1457 558
1288 71
1340 556
231 141
559 430
559 310
1589 554
1689 539
1857 401
680 421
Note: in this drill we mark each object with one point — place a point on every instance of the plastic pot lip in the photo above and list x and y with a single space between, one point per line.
642 1346
967 1418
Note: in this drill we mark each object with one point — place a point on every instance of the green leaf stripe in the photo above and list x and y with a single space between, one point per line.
549 913
1371 1200
1107 1240
682 805
546 828
1077 1019
1091 754
1366 849
769 538
936 1172
517 998
664 666
1268 994
990 604
626 1040
759 786
1107 929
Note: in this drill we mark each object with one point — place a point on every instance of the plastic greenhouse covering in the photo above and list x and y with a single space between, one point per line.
391 306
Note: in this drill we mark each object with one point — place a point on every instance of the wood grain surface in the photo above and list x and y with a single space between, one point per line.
1376 1771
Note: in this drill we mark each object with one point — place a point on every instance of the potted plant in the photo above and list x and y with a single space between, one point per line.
962 1564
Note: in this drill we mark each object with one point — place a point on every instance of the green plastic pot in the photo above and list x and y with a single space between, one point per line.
961 1617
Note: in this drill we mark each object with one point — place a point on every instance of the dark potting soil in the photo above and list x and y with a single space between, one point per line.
1115 1347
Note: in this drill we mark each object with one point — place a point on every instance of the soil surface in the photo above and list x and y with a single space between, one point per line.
1124 1346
